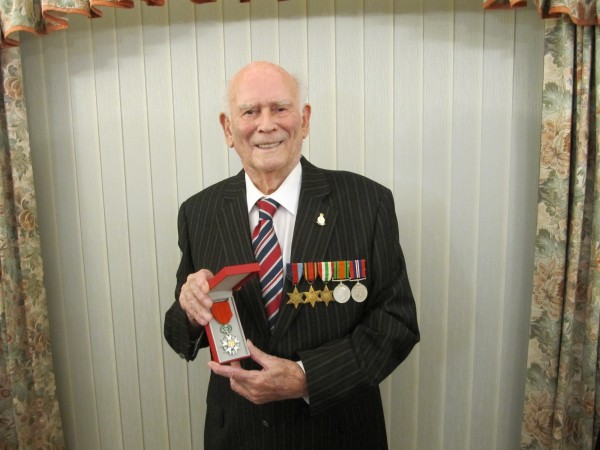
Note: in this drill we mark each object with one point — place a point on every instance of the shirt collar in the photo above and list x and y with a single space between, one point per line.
286 195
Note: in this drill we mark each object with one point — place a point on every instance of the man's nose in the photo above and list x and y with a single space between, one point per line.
266 121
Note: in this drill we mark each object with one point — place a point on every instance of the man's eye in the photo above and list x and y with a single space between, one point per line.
248 112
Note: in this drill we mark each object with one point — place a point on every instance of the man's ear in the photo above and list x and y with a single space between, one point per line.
306 120
226 125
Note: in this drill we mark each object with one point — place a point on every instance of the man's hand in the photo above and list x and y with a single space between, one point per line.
279 379
194 299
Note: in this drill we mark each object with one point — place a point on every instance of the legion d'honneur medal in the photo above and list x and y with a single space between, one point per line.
341 293
222 313
359 291
326 273
310 273
294 271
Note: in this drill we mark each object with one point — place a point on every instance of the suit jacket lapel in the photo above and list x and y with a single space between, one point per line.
310 240
237 242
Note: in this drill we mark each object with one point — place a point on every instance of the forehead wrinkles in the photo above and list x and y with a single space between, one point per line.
271 104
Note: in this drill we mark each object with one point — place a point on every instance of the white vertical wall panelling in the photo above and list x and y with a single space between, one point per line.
435 196
210 75
321 82
407 166
349 63
237 37
464 213
264 31
437 103
93 232
38 114
108 104
138 178
521 222
491 258
161 137
186 107
70 245
378 90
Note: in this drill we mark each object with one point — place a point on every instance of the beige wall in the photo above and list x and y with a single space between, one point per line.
437 100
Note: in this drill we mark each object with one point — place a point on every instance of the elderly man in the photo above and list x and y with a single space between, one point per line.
317 355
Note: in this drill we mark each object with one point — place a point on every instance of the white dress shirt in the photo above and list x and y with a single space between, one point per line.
287 195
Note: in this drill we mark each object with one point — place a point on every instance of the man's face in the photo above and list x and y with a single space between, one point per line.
266 124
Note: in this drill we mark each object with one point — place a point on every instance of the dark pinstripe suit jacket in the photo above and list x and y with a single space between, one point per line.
346 349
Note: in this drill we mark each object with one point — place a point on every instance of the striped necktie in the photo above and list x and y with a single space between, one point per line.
268 255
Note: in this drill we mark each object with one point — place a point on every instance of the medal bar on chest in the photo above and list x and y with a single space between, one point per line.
310 274
326 274
294 272
341 271
358 272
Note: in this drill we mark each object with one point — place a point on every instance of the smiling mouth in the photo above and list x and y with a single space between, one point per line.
268 146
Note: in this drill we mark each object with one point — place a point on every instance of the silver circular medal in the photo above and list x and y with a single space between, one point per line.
341 293
359 292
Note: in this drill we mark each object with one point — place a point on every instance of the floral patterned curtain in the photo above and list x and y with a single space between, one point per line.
29 414
562 393
562 396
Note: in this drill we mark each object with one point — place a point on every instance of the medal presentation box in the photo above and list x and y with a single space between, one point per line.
224 331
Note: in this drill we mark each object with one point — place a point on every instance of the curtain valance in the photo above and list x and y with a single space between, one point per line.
581 12
44 16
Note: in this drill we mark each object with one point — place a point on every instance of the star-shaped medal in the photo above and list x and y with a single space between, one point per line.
311 296
295 298
326 295
230 344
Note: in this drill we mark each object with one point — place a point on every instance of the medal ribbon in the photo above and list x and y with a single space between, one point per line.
341 269
297 270
359 271
222 312
325 271
310 271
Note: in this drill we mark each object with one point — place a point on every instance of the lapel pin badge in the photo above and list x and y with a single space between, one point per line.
321 220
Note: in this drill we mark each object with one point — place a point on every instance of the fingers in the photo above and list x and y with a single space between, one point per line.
223 369
194 299
241 381
237 378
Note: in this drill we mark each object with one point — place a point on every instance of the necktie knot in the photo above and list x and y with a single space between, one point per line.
267 207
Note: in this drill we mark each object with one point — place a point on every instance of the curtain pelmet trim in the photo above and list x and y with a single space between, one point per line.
498 4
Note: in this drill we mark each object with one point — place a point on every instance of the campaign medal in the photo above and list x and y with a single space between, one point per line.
341 293
326 273
222 313
310 273
359 291
294 272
